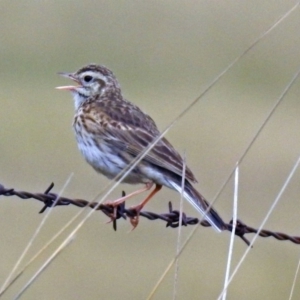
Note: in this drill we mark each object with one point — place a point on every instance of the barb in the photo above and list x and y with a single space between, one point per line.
172 217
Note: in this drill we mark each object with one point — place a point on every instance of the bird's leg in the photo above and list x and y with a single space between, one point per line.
119 201
135 220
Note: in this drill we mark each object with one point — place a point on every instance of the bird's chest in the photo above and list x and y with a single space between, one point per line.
97 152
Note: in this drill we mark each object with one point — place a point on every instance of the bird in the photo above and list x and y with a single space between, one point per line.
111 132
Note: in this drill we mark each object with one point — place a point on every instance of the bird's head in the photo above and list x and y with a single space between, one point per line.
92 82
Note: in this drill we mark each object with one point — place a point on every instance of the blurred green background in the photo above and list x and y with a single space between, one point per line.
164 53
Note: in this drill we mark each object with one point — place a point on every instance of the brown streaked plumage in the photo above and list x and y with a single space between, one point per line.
111 132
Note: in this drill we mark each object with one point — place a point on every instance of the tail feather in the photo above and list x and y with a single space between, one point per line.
201 205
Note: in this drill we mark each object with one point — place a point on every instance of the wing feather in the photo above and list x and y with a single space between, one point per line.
128 128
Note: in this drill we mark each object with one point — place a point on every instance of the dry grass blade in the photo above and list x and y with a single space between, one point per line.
232 236
38 254
252 141
294 281
6 282
289 177
54 255
179 228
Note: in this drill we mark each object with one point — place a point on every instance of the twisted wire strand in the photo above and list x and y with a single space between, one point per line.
171 217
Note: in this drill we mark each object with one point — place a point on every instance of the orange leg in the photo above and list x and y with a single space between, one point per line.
135 220
119 201
123 199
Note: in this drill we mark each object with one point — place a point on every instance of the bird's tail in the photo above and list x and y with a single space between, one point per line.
201 205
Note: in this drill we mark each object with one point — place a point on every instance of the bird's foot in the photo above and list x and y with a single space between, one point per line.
113 215
134 220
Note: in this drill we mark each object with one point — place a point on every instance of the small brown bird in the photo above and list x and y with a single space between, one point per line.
111 132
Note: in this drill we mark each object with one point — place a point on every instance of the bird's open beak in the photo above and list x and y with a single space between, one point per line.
68 87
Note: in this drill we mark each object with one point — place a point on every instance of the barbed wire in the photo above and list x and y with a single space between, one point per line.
171 217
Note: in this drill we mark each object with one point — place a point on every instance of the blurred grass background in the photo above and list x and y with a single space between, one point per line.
164 53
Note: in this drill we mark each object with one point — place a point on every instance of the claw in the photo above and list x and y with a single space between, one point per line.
134 220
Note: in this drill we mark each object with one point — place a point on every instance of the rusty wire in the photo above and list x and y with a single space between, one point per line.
171 218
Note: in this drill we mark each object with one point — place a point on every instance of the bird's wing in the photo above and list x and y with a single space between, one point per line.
128 128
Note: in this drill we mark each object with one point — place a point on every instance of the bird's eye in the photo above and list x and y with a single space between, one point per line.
87 78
